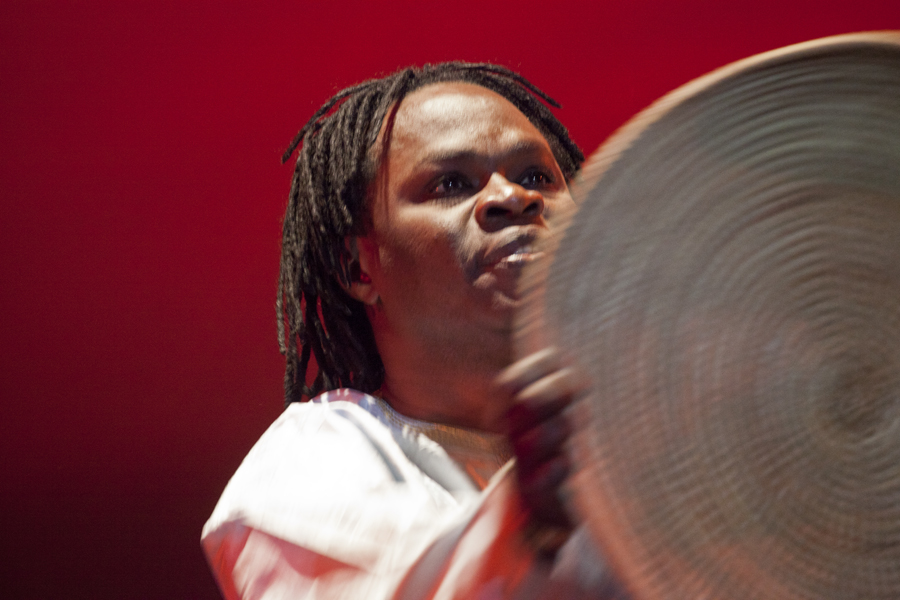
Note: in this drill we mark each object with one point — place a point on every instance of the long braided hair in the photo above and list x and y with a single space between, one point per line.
328 202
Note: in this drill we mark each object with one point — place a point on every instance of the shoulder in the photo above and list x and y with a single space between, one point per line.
328 477
330 443
321 473
310 429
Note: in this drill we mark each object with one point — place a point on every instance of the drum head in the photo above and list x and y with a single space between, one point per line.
731 281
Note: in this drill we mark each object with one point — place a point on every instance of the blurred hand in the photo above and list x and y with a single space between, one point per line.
539 388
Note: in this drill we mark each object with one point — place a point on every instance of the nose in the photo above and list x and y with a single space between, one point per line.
503 203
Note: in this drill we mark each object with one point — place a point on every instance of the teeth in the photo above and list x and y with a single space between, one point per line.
521 255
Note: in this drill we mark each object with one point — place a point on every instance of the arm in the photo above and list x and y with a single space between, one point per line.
326 507
325 504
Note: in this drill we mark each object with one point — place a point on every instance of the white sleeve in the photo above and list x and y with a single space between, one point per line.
327 506
486 556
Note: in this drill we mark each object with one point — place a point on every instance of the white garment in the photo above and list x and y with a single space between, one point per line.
344 498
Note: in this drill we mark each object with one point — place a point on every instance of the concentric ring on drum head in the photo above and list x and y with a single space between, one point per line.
731 281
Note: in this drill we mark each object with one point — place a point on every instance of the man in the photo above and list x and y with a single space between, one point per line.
416 202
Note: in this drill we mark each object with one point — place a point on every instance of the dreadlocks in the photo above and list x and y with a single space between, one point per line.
327 203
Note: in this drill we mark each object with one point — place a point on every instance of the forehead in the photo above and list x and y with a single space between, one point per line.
457 113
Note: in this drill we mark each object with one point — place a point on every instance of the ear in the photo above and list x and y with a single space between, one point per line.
363 256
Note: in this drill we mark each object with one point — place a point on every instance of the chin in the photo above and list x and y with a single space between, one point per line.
505 306
497 306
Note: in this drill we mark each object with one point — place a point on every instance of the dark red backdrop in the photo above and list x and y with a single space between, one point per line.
141 197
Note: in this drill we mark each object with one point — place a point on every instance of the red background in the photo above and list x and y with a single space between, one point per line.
141 202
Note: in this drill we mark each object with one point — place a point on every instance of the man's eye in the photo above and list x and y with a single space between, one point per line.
535 178
450 184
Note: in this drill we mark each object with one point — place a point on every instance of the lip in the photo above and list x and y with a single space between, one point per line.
514 253
521 257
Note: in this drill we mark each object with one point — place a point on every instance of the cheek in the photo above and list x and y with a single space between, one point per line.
428 247
559 203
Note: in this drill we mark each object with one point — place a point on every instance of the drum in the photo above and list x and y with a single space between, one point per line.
730 280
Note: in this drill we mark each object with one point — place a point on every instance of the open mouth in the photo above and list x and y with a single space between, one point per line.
522 256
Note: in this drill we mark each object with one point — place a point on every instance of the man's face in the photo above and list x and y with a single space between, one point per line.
464 189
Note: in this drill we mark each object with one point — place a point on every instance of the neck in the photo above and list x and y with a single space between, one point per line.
448 381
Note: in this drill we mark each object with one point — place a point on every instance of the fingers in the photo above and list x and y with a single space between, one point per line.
542 441
529 374
540 386
529 369
544 398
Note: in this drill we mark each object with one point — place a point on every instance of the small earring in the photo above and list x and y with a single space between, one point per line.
364 278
